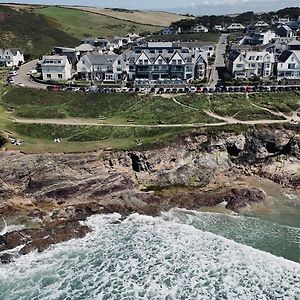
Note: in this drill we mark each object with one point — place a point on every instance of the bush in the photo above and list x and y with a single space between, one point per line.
3 141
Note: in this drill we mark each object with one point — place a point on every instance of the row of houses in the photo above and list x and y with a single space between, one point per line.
265 63
282 24
154 61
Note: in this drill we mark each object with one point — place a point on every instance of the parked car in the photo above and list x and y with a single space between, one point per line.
13 73
199 90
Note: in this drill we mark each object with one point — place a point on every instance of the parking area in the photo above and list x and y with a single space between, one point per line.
177 90
21 76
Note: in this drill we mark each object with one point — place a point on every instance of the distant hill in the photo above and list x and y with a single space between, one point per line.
157 18
80 24
32 32
245 18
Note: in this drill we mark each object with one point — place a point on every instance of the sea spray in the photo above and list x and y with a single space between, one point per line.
149 258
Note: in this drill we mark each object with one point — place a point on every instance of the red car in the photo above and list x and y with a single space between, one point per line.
249 89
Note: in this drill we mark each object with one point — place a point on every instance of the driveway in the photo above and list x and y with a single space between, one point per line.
22 76
219 61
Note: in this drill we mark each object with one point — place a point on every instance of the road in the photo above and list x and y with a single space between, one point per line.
23 78
219 61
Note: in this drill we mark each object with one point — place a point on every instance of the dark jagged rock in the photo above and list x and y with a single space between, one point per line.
238 198
6 258
58 190
139 162
41 239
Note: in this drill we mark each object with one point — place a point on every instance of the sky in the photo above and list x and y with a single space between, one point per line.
196 7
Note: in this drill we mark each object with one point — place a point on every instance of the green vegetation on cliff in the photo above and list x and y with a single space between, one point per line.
126 118
32 32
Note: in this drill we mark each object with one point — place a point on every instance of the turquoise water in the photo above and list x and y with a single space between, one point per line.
180 255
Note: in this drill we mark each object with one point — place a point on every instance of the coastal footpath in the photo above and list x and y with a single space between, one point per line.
52 193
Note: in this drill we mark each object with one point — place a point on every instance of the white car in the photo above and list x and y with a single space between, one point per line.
13 73
21 84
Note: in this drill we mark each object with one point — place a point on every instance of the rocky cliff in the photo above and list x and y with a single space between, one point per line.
203 169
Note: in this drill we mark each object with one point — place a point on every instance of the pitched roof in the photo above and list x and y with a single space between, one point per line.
294 43
99 59
62 58
15 50
233 55
85 48
284 56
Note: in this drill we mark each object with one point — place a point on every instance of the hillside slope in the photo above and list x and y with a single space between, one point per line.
82 24
158 18
33 33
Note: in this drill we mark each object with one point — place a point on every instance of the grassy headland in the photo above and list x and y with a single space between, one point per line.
75 116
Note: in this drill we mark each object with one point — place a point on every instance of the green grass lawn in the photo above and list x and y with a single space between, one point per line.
187 37
82 24
240 107
116 108
284 102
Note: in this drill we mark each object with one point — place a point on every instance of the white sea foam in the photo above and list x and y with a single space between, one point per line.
149 258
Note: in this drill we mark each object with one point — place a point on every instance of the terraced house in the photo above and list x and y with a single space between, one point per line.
289 65
101 67
159 61
250 63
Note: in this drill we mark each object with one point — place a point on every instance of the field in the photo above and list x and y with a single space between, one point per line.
80 24
157 18
153 119
116 108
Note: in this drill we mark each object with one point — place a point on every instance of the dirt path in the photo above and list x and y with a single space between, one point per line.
224 121
231 120
184 105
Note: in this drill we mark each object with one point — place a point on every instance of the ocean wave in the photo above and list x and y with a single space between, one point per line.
149 258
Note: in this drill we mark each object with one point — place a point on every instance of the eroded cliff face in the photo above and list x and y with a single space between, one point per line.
205 168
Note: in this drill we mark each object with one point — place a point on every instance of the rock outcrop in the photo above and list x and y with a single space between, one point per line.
57 190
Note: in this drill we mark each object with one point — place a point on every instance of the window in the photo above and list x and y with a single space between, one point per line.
291 66
174 62
60 76
119 62
267 65
140 61
179 62
49 76
146 62
160 61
